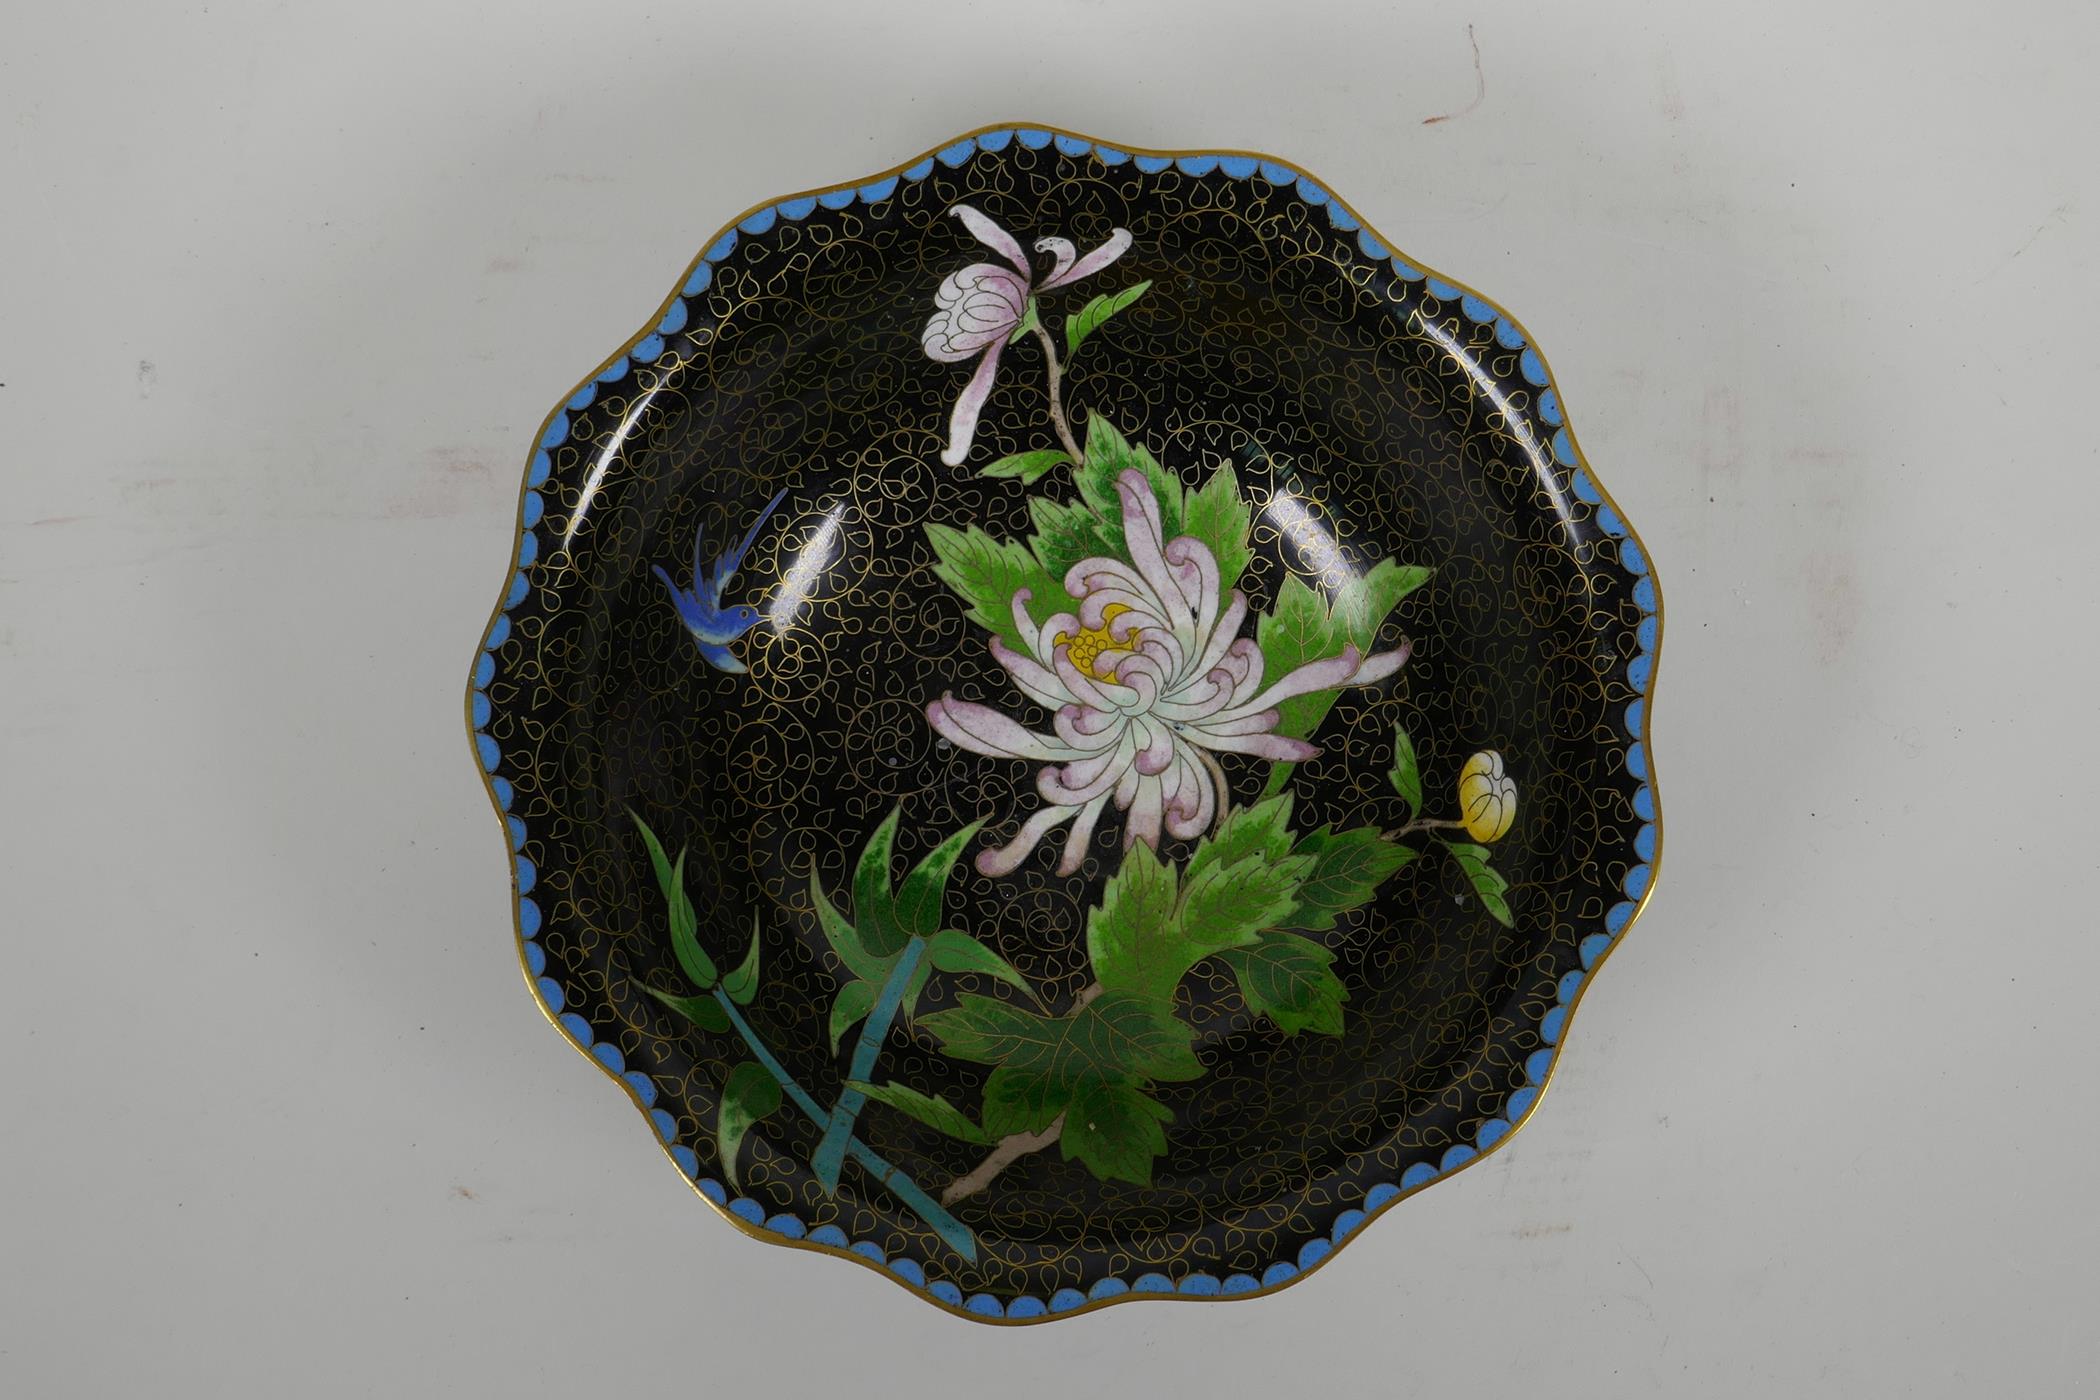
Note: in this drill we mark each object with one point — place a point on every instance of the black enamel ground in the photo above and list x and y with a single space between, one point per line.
1268 339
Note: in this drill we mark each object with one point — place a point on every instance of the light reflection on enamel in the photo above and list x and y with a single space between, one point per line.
613 446
801 578
1289 514
1515 423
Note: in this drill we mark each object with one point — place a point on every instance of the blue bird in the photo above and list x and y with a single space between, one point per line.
700 608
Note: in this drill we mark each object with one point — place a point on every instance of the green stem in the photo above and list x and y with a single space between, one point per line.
956 1234
830 1156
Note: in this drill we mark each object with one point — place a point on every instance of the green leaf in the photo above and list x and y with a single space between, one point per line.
1290 979
685 941
742 984
684 922
919 898
1090 317
1091 1065
1301 628
953 952
934 1111
853 1003
986 573
909 1007
1263 829
1223 906
1067 532
1031 467
1108 456
874 909
1114 1128
1497 904
1296 631
1130 936
1150 929
657 859
845 940
1116 1034
703 1011
1487 881
1217 515
1362 607
1347 867
748 1095
1407 773
1024 1100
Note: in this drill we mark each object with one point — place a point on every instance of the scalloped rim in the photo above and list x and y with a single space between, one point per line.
647 345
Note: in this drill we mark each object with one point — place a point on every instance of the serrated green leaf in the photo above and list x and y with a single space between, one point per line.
1290 979
954 952
1263 829
1347 867
986 573
874 908
1094 313
1067 532
685 941
748 1095
919 897
1363 605
1130 935
986 1031
1302 628
1030 467
1114 1128
1223 906
1117 1033
1217 514
1108 456
1293 633
932 1110
1151 928
1406 773
1023 1100
844 938
850 1007
703 1011
742 984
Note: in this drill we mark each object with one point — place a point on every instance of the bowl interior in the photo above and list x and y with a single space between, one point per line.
1366 419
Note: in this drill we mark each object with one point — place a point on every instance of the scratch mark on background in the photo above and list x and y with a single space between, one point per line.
1480 85
2054 216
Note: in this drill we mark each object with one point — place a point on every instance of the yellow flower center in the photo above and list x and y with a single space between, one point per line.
1088 643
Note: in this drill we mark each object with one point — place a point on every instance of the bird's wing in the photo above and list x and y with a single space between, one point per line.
700 556
722 659
686 605
726 567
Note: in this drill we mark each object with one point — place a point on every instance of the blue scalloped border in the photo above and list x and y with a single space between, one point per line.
647 347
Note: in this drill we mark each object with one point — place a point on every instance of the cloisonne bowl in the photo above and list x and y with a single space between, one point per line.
1071 723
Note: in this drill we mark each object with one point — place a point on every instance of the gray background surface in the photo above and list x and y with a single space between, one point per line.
288 287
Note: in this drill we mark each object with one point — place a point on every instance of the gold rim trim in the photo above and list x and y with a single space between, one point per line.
921 1291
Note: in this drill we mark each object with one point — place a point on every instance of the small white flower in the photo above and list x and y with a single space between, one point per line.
977 309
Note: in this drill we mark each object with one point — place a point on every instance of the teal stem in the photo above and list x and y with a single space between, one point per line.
830 1157
953 1232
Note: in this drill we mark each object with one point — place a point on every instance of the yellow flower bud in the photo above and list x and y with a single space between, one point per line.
1487 797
